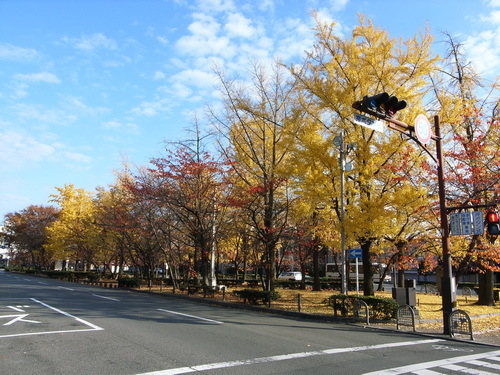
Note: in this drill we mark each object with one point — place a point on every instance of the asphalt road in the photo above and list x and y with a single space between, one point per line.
53 327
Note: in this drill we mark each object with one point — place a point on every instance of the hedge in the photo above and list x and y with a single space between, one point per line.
255 296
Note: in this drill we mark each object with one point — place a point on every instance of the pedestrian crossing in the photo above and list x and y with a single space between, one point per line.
480 364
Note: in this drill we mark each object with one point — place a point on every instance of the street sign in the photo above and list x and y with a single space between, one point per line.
478 222
368 122
423 129
455 229
466 223
355 253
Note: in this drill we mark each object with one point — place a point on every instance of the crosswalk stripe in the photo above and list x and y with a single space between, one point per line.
466 370
484 364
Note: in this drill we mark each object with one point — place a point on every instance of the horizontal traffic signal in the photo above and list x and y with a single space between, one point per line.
375 102
383 103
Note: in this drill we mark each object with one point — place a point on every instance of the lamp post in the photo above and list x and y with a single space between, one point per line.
343 151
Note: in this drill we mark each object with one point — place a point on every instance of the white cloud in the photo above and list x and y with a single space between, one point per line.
204 39
46 116
239 26
76 156
38 77
483 53
151 108
215 6
10 52
19 149
121 126
196 77
338 5
158 75
92 42
483 48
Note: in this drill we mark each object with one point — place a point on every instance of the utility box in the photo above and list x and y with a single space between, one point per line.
405 296
410 283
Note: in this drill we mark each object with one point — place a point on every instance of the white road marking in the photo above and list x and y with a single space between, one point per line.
17 308
192 316
215 366
17 318
465 370
440 363
484 364
97 328
93 327
112 299
64 287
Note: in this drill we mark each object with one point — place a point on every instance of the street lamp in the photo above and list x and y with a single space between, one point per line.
343 151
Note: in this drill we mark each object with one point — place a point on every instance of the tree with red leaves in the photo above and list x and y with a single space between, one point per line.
27 234
473 160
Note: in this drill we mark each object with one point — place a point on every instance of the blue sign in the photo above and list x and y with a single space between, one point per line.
355 253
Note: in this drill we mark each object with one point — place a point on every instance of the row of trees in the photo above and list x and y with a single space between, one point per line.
268 178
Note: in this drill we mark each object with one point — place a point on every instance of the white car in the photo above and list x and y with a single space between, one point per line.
293 276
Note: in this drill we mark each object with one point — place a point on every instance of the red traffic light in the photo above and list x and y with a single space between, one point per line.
492 217
493 223
392 105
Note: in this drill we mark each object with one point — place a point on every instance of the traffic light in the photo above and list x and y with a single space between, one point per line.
392 105
493 223
383 103
374 102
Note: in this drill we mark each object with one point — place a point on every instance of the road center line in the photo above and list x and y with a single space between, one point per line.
112 299
192 316
215 366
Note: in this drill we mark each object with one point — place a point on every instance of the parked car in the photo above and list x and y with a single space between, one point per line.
293 276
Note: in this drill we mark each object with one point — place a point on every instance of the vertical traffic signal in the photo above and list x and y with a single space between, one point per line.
392 105
493 223
374 102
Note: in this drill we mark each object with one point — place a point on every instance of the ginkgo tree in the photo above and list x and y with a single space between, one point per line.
258 123
339 71
75 236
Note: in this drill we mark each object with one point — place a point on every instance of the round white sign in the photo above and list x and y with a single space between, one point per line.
423 129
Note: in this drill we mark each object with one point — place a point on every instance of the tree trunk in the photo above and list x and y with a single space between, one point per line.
486 289
368 289
317 281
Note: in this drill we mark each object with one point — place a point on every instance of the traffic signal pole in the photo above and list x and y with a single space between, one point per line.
447 285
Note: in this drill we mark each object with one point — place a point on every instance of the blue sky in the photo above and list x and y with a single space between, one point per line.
87 84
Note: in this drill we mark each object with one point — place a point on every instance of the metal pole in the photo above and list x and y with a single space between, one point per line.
447 281
342 215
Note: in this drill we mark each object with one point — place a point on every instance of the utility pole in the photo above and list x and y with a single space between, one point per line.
343 151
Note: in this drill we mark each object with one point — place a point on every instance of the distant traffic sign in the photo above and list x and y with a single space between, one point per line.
368 122
355 253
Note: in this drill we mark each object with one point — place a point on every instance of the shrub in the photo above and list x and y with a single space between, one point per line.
380 307
129 282
255 296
